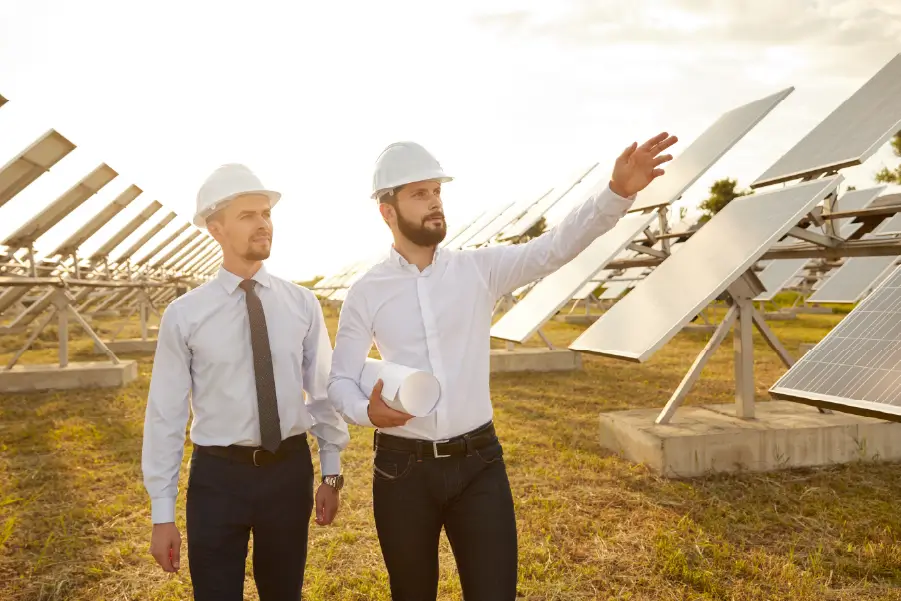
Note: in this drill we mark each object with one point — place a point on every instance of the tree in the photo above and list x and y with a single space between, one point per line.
722 192
886 175
533 232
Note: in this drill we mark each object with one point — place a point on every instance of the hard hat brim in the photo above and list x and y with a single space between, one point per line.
200 218
439 178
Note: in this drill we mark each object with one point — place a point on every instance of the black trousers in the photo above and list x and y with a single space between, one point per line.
469 496
226 501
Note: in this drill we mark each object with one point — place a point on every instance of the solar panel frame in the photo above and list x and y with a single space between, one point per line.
711 260
849 135
71 244
844 370
708 148
555 290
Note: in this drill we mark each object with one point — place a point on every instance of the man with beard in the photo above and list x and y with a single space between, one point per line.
430 308
249 354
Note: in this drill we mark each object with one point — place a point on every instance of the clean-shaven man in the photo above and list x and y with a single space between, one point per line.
430 309
248 353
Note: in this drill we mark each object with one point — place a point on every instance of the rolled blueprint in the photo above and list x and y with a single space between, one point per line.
404 389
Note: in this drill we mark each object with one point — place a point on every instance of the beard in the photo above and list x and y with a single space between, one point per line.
419 234
257 252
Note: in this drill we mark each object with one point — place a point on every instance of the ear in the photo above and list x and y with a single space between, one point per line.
387 212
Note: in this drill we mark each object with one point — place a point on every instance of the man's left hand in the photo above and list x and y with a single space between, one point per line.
638 165
326 504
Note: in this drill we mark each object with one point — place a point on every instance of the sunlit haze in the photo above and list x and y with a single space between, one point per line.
511 97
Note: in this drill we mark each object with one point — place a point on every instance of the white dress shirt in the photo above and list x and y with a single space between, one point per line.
204 362
439 320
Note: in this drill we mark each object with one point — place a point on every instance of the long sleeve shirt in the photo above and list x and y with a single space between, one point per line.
439 320
204 365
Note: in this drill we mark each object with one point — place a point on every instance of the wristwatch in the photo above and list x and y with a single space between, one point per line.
336 482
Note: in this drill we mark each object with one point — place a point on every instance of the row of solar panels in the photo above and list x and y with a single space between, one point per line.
705 265
147 245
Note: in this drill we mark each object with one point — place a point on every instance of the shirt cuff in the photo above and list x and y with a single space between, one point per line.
329 462
359 413
162 510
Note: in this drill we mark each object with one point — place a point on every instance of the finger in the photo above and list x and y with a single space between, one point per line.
665 144
162 558
320 507
657 172
629 150
654 141
175 554
662 159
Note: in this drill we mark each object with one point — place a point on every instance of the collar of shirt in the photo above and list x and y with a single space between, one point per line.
395 258
230 281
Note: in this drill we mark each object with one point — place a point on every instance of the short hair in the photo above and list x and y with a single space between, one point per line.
216 216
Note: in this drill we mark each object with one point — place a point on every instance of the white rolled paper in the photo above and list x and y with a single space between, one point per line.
404 389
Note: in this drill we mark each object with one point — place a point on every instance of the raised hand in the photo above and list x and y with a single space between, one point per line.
638 165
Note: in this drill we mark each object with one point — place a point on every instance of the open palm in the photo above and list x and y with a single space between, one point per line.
638 165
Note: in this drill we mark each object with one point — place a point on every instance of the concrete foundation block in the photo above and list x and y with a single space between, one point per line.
135 345
578 319
535 359
700 327
711 439
811 310
33 378
780 315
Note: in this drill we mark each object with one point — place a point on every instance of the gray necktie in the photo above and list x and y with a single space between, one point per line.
270 429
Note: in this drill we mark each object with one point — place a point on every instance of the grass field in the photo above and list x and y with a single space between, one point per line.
74 517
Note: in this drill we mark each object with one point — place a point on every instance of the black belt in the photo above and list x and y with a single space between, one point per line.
458 446
257 456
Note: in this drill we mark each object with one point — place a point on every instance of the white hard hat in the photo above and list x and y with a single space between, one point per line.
224 185
404 163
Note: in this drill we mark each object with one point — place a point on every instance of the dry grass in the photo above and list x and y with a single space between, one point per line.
74 518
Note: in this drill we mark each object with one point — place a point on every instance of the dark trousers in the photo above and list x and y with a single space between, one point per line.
469 496
226 501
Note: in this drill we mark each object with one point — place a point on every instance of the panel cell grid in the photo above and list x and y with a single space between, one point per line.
857 366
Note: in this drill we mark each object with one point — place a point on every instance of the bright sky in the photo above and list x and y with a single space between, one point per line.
510 96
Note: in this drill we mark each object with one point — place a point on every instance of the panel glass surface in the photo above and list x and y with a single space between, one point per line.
685 169
708 262
476 226
556 289
856 368
851 134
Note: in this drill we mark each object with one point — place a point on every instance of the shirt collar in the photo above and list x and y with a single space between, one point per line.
395 258
230 281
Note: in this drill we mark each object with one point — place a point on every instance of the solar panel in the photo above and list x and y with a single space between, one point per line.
514 212
537 210
452 239
851 134
685 169
778 275
90 228
589 287
556 289
708 263
74 197
856 368
477 226
858 275
140 242
128 229
31 163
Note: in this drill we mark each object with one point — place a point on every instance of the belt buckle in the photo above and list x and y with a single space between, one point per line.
435 444
255 451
